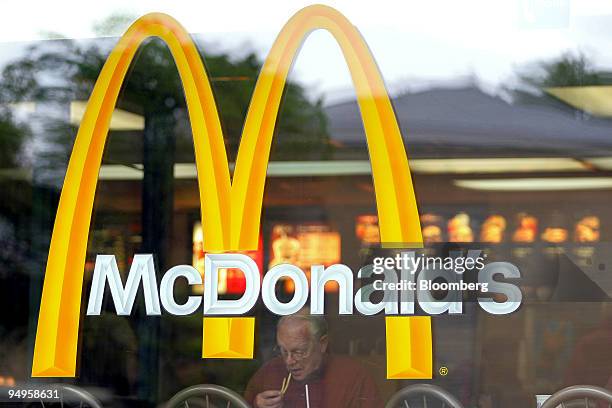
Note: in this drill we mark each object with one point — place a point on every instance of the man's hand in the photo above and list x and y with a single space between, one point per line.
269 399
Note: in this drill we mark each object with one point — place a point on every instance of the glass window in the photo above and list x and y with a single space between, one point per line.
503 112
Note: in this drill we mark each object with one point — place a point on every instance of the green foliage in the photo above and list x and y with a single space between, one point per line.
61 71
569 69
12 138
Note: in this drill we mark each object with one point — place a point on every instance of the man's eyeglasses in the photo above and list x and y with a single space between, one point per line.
298 354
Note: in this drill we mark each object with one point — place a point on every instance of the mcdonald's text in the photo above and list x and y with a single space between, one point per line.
142 271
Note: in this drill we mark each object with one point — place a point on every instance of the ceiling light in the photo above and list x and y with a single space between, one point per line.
537 184
495 165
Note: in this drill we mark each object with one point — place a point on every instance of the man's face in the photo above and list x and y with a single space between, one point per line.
301 353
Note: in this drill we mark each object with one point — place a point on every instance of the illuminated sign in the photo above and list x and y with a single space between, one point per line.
230 210
231 281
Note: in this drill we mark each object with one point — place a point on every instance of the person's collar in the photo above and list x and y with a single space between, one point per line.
319 372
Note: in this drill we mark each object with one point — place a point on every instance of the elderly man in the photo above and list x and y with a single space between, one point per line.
315 378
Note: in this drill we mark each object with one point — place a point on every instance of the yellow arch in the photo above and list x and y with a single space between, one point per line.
231 213
395 199
57 334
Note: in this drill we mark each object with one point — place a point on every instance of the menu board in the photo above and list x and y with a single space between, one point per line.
554 235
587 229
527 228
305 245
366 229
231 281
432 226
493 229
460 229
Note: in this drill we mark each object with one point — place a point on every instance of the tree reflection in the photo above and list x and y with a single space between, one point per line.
15 212
569 69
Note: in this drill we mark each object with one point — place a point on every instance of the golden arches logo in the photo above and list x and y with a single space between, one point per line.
230 210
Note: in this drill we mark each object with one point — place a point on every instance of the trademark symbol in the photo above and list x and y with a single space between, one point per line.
443 371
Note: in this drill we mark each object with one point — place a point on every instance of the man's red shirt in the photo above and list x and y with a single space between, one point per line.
340 382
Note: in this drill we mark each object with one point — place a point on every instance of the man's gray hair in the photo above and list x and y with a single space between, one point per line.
318 324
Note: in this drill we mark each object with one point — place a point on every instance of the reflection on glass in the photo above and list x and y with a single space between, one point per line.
549 124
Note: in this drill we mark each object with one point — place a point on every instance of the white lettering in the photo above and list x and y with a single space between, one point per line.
212 304
142 269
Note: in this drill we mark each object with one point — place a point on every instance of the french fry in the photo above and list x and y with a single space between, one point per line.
285 385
